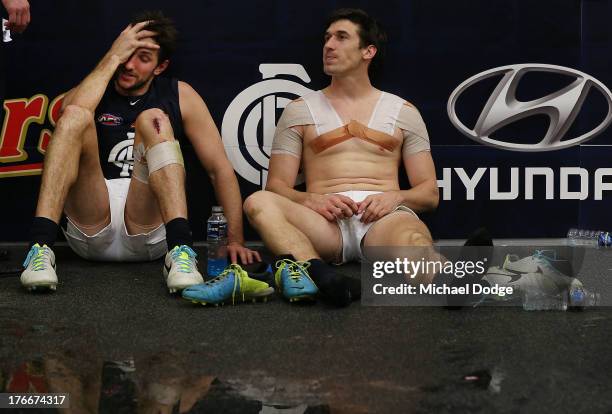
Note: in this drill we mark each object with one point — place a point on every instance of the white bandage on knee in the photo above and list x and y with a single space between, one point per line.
165 153
141 169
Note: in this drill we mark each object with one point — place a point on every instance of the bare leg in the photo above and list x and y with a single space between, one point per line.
72 177
163 198
72 181
290 228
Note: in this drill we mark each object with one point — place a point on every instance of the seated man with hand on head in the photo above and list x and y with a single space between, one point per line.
350 139
116 213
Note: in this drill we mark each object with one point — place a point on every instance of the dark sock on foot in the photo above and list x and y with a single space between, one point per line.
283 257
334 287
43 231
178 233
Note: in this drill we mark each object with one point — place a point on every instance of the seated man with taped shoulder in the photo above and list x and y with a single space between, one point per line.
124 208
350 139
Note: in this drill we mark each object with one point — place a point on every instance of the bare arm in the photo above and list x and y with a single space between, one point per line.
203 134
422 196
417 161
282 173
90 91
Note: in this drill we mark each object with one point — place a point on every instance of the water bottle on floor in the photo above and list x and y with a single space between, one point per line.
575 296
580 298
537 301
216 236
583 237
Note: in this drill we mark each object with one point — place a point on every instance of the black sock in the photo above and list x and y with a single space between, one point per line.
334 287
178 233
284 256
43 231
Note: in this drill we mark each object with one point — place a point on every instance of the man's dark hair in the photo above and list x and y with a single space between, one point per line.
164 27
369 30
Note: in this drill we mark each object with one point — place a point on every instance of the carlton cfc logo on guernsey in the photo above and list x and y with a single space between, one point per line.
110 120
122 155
250 119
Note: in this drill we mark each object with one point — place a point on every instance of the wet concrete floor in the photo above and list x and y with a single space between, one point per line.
117 342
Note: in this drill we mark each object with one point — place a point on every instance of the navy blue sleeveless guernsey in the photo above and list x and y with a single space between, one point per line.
115 117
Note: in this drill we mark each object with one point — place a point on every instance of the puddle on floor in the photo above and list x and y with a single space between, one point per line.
123 387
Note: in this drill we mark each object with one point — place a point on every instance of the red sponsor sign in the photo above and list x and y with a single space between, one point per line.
19 114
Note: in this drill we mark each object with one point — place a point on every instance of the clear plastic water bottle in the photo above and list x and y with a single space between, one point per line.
580 298
575 296
534 300
216 235
583 237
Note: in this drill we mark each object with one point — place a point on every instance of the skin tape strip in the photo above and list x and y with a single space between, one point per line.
413 129
286 139
163 154
353 129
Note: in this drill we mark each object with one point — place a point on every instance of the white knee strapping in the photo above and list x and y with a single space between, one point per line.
165 153
155 158
141 169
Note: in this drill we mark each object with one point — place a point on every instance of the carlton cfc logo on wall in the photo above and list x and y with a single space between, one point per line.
503 108
250 119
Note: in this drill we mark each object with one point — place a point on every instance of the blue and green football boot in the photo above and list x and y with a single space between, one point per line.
292 280
233 284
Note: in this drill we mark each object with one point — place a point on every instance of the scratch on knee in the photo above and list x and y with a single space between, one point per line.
156 125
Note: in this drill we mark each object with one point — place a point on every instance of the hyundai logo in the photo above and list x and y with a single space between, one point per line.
502 107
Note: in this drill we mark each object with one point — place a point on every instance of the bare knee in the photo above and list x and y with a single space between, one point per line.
257 203
153 126
410 238
149 115
74 118
420 239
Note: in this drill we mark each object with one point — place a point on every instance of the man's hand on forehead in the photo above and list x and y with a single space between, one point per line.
131 38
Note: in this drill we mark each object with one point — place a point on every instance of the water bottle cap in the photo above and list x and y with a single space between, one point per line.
217 209
577 295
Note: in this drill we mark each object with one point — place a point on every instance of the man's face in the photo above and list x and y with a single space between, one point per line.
135 75
341 51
